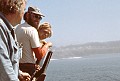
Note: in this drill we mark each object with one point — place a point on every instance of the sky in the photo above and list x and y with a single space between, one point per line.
80 21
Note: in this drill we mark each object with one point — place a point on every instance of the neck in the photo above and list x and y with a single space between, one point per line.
12 18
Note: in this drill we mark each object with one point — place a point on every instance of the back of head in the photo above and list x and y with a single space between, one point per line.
10 6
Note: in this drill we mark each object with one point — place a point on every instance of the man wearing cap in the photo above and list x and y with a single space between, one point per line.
27 35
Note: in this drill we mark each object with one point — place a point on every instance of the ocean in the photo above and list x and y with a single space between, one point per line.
99 67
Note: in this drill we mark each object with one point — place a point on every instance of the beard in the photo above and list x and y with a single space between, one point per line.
32 23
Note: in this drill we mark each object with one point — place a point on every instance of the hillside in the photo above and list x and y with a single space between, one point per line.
87 49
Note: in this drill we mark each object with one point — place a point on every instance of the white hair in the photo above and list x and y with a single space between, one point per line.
10 6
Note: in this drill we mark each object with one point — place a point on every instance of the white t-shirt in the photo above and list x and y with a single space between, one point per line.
28 36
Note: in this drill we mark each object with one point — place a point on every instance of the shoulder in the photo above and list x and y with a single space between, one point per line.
3 28
2 24
4 33
25 27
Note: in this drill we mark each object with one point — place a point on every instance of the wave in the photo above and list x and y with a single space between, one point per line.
68 58
54 59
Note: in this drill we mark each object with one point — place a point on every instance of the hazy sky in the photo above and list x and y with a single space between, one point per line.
81 21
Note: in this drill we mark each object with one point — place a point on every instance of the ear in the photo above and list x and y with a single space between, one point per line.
27 15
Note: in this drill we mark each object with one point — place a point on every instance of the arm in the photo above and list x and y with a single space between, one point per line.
36 46
41 74
41 51
23 76
6 68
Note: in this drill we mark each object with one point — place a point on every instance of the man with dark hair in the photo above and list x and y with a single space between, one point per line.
27 34
11 12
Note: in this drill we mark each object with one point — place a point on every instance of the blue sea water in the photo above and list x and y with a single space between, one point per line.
101 67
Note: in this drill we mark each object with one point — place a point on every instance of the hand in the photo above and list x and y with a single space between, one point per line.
24 77
43 42
37 67
34 79
49 44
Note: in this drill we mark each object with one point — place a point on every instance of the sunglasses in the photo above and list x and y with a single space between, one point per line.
38 17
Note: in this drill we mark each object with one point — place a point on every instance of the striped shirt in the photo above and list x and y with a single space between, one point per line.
9 54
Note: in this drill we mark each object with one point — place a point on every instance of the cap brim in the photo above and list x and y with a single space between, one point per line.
38 13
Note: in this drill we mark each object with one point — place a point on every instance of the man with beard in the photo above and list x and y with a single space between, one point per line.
27 35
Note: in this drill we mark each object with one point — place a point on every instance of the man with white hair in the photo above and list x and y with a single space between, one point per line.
11 13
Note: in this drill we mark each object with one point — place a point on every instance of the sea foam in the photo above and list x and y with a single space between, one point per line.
68 58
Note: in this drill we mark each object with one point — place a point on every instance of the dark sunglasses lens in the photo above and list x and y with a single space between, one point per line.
38 17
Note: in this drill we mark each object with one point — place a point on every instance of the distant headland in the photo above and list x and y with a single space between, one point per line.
86 49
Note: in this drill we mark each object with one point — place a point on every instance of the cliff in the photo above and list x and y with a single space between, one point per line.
86 49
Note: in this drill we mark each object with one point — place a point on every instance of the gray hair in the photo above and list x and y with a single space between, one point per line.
10 6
